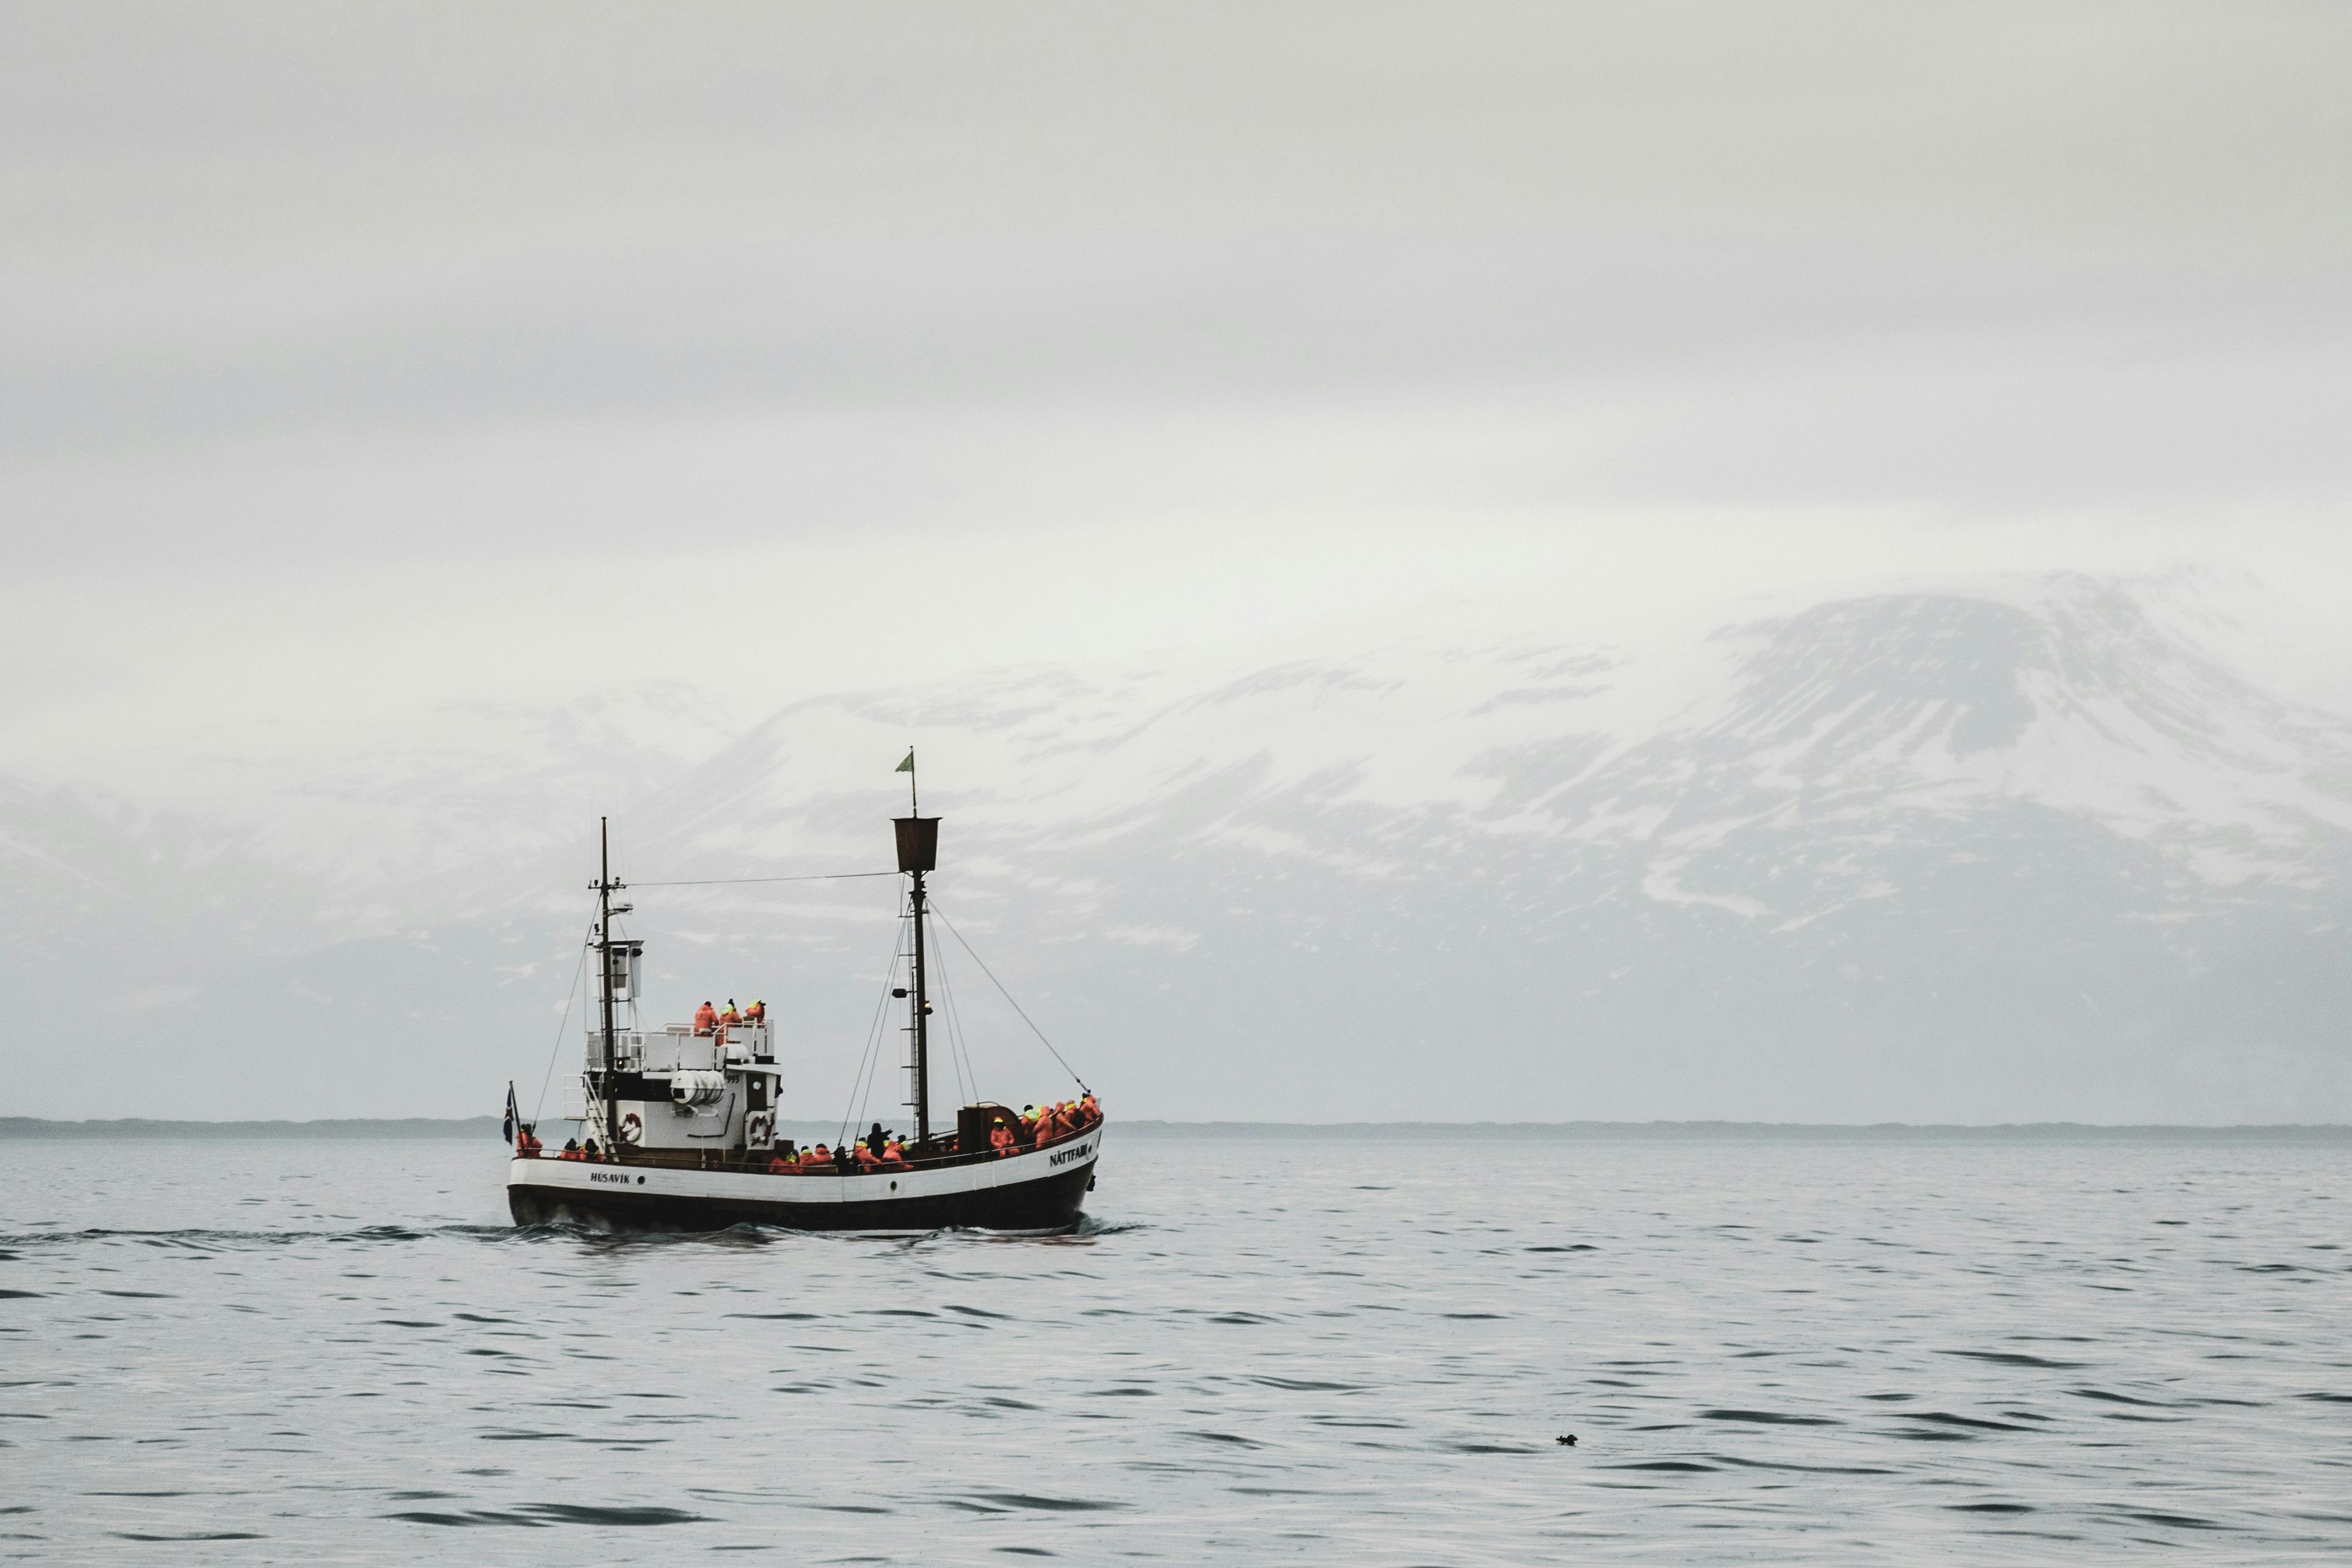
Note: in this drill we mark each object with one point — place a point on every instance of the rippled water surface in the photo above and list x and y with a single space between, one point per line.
1337 1350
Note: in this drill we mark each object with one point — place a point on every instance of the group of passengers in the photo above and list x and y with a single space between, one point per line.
878 1151
527 1146
883 1150
1045 1125
710 1020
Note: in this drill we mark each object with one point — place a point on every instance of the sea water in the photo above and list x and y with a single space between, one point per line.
1312 1349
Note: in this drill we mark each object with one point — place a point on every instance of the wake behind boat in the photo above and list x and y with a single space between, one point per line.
679 1122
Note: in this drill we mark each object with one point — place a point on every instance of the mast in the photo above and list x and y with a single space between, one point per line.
918 851
922 1029
604 968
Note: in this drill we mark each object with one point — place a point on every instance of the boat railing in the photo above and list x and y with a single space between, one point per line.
755 1162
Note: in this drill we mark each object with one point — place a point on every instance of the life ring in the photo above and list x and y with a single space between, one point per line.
760 1129
632 1129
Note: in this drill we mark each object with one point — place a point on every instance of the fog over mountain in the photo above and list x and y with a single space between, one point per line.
1661 559
2024 849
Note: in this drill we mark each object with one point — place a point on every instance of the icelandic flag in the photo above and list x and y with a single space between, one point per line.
512 1115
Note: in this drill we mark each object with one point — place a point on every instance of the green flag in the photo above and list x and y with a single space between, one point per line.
908 765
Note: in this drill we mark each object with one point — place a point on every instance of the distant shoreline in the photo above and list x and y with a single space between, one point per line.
487 1127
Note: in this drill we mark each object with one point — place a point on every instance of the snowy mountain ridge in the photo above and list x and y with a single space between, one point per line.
1918 703
1912 850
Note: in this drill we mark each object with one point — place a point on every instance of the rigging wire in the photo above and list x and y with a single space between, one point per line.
957 1043
577 970
947 1017
962 1040
948 1031
870 1065
1001 991
861 1084
963 1089
740 881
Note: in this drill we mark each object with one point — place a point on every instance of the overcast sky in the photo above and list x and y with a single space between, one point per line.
354 358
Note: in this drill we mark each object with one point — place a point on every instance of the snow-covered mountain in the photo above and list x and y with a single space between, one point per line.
2019 850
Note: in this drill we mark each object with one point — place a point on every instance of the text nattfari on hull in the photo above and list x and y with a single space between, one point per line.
677 1123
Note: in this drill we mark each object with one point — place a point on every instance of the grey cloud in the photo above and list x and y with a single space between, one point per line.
1191 316
2133 124
278 219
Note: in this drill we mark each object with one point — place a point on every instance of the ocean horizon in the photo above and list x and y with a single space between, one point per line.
471 1127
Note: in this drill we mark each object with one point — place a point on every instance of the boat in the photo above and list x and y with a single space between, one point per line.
679 1128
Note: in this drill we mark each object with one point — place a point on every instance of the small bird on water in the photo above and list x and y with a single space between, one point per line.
1566 1441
